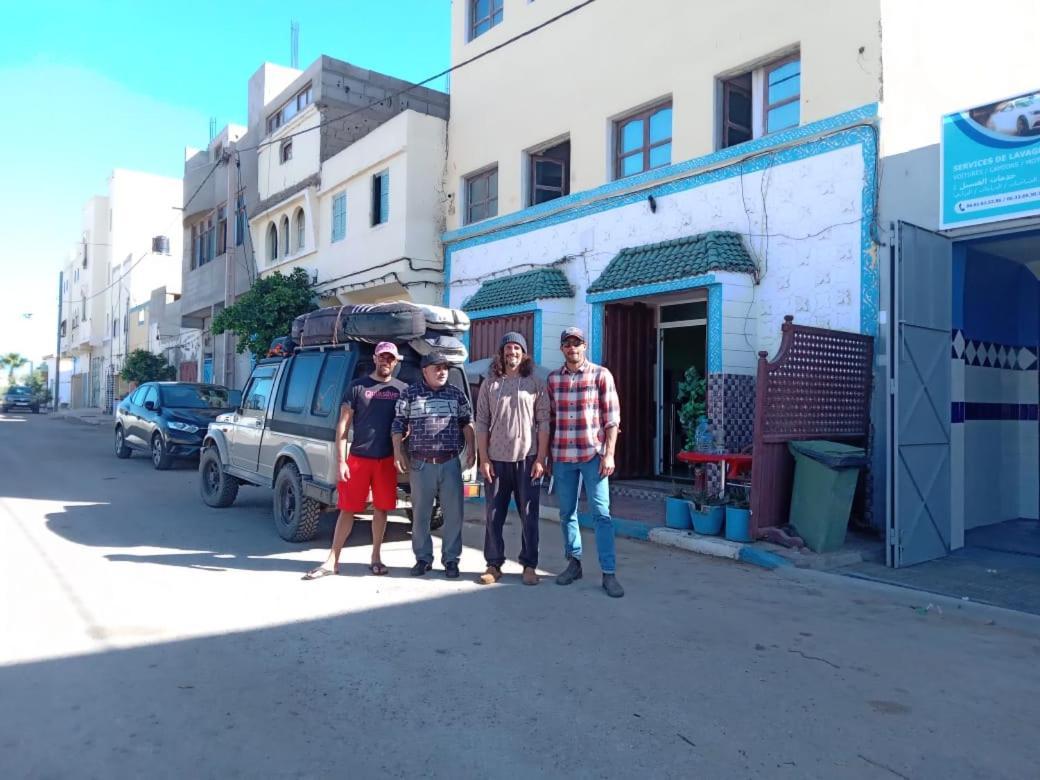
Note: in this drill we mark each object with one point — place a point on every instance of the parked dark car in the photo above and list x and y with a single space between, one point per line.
169 419
20 397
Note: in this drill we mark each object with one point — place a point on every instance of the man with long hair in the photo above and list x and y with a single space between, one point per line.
512 443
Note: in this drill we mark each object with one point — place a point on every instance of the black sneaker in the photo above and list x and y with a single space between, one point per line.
612 586
420 568
451 570
571 573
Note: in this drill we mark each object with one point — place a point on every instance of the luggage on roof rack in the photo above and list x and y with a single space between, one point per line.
443 319
370 322
448 346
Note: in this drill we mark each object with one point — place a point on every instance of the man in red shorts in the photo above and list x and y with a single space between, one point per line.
368 406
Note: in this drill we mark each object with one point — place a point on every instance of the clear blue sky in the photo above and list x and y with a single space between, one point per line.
91 86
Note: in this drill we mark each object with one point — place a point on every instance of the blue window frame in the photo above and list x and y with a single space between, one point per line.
339 216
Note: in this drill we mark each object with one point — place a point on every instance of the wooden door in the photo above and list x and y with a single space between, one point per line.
484 335
629 351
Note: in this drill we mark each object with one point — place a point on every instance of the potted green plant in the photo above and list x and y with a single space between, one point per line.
707 513
738 514
692 408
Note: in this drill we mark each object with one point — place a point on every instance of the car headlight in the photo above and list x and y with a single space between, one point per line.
186 427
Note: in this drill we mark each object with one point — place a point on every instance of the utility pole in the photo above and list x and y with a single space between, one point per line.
57 351
230 253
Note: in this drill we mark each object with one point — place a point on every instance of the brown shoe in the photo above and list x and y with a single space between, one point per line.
530 576
491 576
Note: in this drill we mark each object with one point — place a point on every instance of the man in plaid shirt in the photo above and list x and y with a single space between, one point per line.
587 415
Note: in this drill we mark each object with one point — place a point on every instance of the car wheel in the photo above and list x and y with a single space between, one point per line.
437 518
1022 126
295 516
160 457
218 489
36 410
122 451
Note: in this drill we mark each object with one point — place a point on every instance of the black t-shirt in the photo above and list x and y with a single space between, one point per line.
373 403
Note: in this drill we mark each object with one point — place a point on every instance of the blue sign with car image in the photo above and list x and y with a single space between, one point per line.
990 162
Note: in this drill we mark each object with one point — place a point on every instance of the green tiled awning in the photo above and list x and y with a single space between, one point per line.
520 288
675 259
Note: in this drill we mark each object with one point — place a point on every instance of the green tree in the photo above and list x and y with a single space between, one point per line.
39 385
267 310
12 361
143 366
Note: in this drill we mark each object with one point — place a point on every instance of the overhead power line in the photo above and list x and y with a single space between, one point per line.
125 273
425 81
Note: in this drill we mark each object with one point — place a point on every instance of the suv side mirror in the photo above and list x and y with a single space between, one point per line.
235 399
150 406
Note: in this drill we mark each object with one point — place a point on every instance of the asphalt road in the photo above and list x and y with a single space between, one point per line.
144 633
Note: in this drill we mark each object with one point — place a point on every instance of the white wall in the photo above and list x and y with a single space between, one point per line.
275 176
411 147
942 56
812 259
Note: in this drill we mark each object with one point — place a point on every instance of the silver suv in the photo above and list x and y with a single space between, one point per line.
284 435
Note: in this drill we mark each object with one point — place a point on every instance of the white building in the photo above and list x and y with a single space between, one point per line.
143 209
84 278
350 184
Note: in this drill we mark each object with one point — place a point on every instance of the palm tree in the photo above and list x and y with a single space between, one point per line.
13 361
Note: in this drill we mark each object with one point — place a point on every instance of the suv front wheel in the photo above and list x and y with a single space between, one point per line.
218 488
295 516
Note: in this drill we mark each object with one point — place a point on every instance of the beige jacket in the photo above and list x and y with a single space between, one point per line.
512 410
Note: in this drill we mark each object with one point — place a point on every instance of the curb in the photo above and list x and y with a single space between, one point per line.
685 540
717 547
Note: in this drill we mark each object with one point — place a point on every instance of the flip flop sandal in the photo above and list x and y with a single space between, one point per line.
317 574
378 569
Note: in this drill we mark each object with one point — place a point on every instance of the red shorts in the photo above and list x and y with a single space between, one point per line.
376 474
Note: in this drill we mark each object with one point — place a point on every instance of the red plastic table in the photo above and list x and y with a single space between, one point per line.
733 464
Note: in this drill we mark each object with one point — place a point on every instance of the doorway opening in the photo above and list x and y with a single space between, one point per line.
682 330
995 430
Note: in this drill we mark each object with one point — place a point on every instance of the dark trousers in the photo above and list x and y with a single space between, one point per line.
512 480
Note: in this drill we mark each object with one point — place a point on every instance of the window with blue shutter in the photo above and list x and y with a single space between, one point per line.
339 216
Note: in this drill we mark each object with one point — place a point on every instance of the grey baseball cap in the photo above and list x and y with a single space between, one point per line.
572 333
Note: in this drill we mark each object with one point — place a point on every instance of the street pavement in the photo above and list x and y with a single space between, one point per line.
144 633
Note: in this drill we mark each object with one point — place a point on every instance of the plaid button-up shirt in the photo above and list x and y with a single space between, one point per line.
584 405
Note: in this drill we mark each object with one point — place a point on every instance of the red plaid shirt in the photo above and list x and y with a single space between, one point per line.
584 404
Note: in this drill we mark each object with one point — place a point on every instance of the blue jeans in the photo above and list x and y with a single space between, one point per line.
566 478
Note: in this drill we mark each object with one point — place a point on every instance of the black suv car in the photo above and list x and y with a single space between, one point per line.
169 419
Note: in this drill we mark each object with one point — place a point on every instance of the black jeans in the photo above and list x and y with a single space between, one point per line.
512 480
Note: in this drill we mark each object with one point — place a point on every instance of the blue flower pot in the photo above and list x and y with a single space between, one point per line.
676 513
738 524
708 520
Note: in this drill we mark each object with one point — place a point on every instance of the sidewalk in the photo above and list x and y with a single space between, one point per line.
644 520
89 416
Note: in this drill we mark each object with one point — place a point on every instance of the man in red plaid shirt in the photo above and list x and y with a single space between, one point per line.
587 415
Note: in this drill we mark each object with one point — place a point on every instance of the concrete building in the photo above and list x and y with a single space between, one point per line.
144 252
350 184
84 279
672 191
218 262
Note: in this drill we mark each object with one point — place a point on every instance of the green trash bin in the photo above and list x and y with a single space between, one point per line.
825 475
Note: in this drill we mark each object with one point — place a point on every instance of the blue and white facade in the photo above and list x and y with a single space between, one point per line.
803 200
